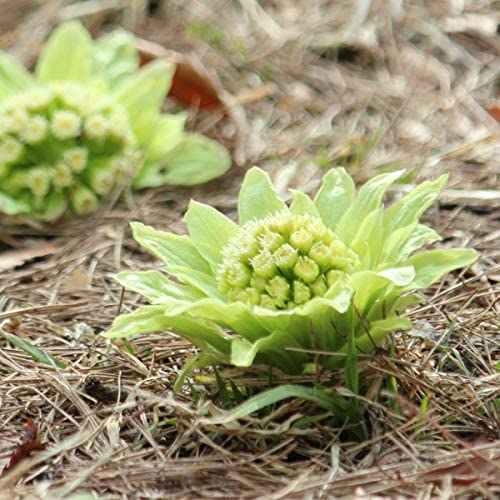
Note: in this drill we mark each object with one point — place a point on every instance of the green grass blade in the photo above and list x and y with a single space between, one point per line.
37 354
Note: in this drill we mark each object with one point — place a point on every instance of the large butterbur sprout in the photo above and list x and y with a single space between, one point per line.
87 121
326 275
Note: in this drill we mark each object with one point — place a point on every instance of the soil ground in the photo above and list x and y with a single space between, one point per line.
367 84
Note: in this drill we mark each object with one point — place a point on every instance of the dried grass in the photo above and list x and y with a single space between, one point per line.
370 84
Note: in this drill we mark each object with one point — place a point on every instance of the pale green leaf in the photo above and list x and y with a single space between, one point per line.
379 330
272 348
54 206
403 241
302 204
13 75
172 249
369 286
116 57
196 159
368 199
209 231
147 319
156 287
67 55
431 266
335 196
400 276
421 235
234 316
339 296
368 239
11 206
406 301
411 207
257 197
142 96
201 281
6 91
167 135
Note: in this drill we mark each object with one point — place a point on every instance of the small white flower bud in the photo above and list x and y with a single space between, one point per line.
35 130
100 177
96 127
38 181
285 257
61 176
301 292
83 200
333 276
10 150
38 99
302 240
76 159
263 264
16 121
279 289
306 269
321 254
66 124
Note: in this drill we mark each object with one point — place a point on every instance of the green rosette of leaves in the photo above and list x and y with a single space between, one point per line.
88 120
329 275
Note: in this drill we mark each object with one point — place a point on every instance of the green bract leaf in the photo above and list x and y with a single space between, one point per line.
172 249
411 207
368 199
335 196
166 137
152 319
156 287
367 241
194 160
433 265
258 197
143 94
328 277
201 281
243 353
302 204
10 206
67 55
405 240
13 75
116 57
209 231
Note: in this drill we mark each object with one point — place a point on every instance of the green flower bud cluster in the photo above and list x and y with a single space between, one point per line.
282 261
61 144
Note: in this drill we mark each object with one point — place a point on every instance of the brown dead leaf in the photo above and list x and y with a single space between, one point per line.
191 88
31 442
15 258
494 111
191 85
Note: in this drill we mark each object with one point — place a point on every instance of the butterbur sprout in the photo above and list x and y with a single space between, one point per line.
319 275
71 133
55 149
290 260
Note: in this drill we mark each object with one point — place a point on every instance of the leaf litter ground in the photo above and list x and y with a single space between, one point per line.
361 84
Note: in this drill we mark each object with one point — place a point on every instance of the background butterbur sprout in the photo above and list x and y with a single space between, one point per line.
340 265
88 125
